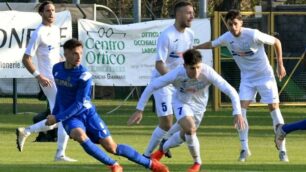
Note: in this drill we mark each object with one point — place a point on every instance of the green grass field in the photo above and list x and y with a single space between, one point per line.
219 142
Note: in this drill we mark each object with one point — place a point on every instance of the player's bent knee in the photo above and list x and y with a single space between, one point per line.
190 131
273 106
109 145
111 148
165 122
78 135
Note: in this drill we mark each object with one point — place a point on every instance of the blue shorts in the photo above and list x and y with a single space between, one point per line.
91 123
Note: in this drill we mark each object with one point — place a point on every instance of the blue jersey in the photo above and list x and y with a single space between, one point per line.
73 91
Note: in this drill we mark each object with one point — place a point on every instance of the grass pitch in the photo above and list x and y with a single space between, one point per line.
219 142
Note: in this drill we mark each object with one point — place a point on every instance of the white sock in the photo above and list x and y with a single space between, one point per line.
277 118
157 135
62 140
40 127
243 134
174 128
194 147
174 141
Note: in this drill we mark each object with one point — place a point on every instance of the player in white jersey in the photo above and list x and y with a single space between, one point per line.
171 44
191 83
247 48
45 44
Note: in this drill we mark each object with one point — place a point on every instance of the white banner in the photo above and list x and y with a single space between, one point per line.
124 55
15 30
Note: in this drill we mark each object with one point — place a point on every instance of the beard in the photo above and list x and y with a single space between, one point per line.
185 24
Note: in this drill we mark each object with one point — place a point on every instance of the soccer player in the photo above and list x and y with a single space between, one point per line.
171 44
78 115
45 44
284 129
247 48
191 83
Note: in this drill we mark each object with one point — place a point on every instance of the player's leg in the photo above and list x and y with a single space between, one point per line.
188 124
268 91
290 127
76 129
189 128
99 133
62 141
62 137
163 107
283 130
247 94
23 133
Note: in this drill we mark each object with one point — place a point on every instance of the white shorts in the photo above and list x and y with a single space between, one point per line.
50 93
182 110
163 101
266 87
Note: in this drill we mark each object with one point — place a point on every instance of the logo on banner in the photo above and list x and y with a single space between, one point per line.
106 32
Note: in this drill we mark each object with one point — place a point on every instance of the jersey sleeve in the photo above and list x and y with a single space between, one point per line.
226 88
263 38
162 48
82 101
156 84
220 41
33 44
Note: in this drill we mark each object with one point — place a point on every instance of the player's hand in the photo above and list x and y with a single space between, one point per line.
135 118
281 72
239 122
50 120
43 81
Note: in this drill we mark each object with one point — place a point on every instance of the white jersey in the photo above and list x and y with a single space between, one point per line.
248 52
45 44
191 91
171 45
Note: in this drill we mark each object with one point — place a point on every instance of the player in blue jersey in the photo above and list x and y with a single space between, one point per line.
283 130
78 115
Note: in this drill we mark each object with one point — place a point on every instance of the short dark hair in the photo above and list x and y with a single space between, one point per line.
192 57
42 6
179 4
72 43
233 14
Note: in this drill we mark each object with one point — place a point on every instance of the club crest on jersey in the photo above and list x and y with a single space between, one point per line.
191 87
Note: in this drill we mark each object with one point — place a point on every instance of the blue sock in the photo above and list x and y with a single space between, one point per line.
132 155
97 153
299 125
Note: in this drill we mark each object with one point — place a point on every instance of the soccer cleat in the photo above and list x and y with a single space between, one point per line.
21 138
157 155
244 154
157 166
283 156
279 136
168 154
196 167
64 159
116 168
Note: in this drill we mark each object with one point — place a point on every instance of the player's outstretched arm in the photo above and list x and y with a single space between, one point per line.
206 45
135 118
239 122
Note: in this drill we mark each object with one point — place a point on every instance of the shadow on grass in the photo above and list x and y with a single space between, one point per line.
60 167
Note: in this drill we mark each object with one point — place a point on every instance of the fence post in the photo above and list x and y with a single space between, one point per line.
137 11
14 96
